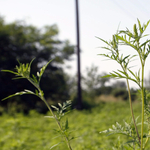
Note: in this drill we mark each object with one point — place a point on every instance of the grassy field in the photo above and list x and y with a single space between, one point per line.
35 132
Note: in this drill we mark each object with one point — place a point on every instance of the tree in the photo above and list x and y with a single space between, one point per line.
22 42
93 82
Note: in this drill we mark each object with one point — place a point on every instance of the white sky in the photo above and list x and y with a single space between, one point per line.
97 18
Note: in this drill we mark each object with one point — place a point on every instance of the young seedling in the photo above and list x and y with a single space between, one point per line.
23 71
133 40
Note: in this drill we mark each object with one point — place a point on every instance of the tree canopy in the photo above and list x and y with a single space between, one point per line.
22 42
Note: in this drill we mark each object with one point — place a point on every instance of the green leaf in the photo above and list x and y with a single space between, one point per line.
126 42
106 56
107 48
49 117
19 78
140 27
60 105
117 74
29 68
132 73
66 124
19 93
137 77
145 25
29 92
55 145
143 44
55 107
126 75
43 69
34 79
125 58
103 41
10 72
135 30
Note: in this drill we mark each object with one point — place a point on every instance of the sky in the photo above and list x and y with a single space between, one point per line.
97 18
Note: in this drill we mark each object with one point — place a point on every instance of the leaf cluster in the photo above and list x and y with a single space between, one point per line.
132 39
62 109
127 130
23 71
63 131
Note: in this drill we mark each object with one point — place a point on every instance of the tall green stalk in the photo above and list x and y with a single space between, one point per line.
51 111
132 113
130 102
143 99
123 62
58 123
141 54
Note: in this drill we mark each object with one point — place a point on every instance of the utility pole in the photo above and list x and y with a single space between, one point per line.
79 97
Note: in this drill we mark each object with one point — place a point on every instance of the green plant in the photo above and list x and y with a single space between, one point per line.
23 71
134 40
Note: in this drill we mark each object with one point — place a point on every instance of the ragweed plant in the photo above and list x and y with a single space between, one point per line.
23 71
134 40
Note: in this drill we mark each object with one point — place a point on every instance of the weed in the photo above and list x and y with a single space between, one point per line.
133 40
23 71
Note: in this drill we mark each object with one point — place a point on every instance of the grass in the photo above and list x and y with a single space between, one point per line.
34 131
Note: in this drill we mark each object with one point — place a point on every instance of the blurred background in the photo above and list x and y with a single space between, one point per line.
46 29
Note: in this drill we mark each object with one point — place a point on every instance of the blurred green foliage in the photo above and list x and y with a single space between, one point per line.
34 131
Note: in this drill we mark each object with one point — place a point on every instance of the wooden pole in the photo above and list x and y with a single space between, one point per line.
79 98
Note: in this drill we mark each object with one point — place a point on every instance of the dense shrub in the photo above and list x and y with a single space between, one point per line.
122 93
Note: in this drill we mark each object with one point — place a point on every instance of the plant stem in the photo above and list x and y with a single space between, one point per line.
132 113
58 123
130 101
142 93
51 111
